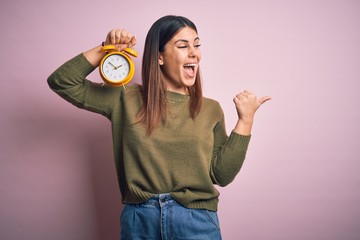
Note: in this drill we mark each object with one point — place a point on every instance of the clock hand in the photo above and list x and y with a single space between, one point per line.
118 66
113 65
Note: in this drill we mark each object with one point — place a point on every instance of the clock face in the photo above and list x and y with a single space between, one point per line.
115 68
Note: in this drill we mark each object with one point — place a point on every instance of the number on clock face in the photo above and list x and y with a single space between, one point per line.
116 68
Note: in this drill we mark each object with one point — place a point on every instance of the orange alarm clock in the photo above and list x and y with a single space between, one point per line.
117 68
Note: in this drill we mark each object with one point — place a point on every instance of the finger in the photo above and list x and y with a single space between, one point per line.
120 47
108 39
127 38
264 99
112 37
247 92
117 36
241 94
132 41
236 99
124 37
120 36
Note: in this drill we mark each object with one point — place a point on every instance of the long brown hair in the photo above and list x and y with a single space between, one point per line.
154 106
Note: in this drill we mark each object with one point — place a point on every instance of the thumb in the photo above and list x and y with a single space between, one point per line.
120 46
264 99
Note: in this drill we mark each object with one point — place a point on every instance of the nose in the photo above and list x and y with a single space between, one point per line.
193 51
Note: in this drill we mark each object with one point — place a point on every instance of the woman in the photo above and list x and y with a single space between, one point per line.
170 142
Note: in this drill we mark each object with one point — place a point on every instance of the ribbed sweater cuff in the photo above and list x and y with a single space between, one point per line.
239 141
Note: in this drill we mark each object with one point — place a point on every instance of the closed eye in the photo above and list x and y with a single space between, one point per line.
185 46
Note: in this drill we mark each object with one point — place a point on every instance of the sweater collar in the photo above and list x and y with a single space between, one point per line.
177 97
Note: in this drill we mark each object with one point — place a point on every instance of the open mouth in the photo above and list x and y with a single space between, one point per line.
190 68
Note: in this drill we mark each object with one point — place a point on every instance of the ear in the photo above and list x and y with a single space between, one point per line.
161 59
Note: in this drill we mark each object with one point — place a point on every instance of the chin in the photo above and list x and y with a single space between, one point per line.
189 83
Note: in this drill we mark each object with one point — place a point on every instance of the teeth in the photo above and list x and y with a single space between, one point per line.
190 65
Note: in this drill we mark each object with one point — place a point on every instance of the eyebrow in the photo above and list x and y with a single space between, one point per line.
184 40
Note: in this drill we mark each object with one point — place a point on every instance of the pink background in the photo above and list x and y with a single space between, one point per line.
300 180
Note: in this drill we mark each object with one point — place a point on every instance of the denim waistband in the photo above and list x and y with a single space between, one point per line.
161 217
159 200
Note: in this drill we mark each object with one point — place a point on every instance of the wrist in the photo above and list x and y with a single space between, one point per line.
246 120
94 55
244 126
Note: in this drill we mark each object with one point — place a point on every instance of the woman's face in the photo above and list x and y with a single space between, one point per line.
180 60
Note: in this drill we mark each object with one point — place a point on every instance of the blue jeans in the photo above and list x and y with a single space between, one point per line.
162 218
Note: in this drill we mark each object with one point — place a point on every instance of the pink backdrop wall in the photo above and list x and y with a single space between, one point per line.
300 180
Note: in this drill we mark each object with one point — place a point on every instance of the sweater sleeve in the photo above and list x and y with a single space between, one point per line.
228 154
69 81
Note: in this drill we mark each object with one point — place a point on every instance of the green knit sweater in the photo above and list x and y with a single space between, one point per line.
184 157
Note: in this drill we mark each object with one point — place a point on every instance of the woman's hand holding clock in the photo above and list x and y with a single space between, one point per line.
121 39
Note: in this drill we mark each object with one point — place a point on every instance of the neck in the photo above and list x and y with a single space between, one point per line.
183 91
